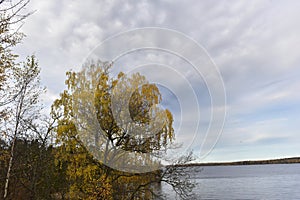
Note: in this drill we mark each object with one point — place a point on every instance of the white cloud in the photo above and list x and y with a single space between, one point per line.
255 44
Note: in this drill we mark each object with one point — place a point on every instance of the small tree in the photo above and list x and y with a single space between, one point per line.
24 108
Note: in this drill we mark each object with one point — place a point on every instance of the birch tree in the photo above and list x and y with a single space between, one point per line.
24 108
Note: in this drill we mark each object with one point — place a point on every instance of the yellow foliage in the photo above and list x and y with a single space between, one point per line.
88 177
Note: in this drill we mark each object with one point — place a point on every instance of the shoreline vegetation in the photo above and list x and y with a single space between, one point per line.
292 160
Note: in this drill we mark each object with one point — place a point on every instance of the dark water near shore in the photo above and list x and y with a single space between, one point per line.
281 181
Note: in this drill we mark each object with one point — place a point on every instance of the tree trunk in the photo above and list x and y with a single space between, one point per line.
9 166
18 118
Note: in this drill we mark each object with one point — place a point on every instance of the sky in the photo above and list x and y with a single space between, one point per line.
253 45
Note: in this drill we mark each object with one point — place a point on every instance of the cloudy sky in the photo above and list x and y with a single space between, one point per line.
255 46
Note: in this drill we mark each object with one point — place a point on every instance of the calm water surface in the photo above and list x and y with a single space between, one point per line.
245 182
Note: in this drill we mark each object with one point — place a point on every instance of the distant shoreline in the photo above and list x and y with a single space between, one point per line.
248 162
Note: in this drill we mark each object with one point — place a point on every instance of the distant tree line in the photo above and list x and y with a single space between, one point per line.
247 162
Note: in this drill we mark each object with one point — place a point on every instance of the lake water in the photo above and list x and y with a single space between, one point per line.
281 181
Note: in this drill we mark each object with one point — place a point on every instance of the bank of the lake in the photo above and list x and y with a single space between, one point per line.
271 181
